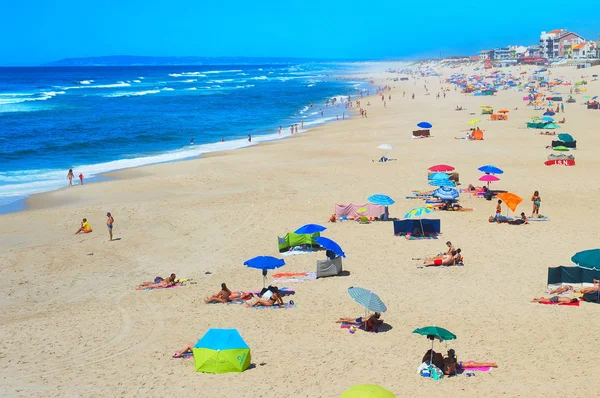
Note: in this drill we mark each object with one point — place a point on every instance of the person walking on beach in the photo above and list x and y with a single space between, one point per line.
109 224
279 130
249 137
413 96
70 176
296 128
537 201
562 107
80 178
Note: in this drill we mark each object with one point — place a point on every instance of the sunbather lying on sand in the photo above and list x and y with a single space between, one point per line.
370 323
548 133
222 297
446 259
554 300
181 353
591 289
562 289
268 299
159 283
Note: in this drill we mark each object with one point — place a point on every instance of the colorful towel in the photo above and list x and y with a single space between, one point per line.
276 307
237 301
184 356
413 237
538 219
283 291
575 304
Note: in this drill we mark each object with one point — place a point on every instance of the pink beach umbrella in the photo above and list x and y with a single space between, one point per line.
488 178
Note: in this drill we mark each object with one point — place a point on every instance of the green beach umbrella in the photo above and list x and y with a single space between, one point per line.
368 391
435 332
587 259
564 137
473 121
552 126
361 210
561 148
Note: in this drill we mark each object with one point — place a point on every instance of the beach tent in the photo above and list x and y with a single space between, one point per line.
221 351
350 210
477 135
292 239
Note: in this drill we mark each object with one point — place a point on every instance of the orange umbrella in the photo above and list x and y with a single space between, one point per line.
511 200
503 111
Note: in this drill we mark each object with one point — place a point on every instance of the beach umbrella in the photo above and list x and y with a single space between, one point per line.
446 193
385 147
380 199
442 182
441 167
549 113
424 125
594 75
564 137
588 259
552 126
561 148
221 351
503 111
547 119
368 391
594 97
310 229
367 299
328 244
490 169
435 332
586 96
488 178
419 212
361 210
264 263
511 200
473 121
438 176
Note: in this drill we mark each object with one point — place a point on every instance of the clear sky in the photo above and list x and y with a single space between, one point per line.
38 31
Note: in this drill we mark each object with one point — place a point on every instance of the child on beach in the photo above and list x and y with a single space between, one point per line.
537 201
80 178
85 227
498 210
109 224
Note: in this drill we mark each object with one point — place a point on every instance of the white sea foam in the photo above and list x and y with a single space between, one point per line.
175 74
168 89
86 82
259 78
141 77
223 71
310 85
191 88
137 81
243 74
131 93
17 98
188 81
118 84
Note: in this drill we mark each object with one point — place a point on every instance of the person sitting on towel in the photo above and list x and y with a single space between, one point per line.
522 220
450 363
222 297
447 259
591 289
555 300
370 323
268 299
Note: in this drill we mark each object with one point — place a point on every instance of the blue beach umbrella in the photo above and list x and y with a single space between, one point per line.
446 193
490 169
439 176
442 182
547 119
380 199
424 125
549 113
328 244
264 263
367 299
310 229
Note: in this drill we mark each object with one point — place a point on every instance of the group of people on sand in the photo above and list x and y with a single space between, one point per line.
160 283
71 175
536 201
86 228
450 365
452 256
369 324
267 297
565 289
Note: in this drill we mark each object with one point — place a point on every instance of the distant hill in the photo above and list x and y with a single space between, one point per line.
132 60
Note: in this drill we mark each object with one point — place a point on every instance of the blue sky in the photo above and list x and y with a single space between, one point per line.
39 31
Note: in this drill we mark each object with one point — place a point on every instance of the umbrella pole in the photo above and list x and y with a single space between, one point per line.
422 230
431 355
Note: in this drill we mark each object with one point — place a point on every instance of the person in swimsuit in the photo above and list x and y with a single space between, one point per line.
498 210
591 289
109 224
162 283
274 299
370 322
441 255
537 201
447 259
555 300
562 289
450 363
70 176
85 227
181 353
222 297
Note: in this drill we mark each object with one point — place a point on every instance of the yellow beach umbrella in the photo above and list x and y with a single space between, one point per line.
368 391
473 121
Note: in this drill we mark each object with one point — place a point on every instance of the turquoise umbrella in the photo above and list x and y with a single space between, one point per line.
442 182
435 332
564 137
367 299
588 259
439 176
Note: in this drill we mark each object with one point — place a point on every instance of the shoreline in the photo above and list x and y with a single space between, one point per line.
23 203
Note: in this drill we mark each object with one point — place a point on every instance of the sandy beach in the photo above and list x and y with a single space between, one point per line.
75 325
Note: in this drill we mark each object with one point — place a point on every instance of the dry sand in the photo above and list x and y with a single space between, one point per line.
74 325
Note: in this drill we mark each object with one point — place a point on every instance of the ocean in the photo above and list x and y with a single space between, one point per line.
99 119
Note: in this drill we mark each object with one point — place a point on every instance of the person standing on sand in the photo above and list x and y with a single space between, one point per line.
296 128
498 210
80 178
70 176
413 96
562 107
279 130
109 224
249 137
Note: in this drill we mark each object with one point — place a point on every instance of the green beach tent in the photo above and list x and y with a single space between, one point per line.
221 351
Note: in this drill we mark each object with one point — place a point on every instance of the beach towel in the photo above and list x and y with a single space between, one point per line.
575 304
184 356
538 219
236 301
413 237
276 307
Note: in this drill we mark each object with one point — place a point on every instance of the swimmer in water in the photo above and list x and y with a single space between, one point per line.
192 141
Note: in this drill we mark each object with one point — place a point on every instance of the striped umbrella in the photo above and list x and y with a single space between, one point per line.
367 299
